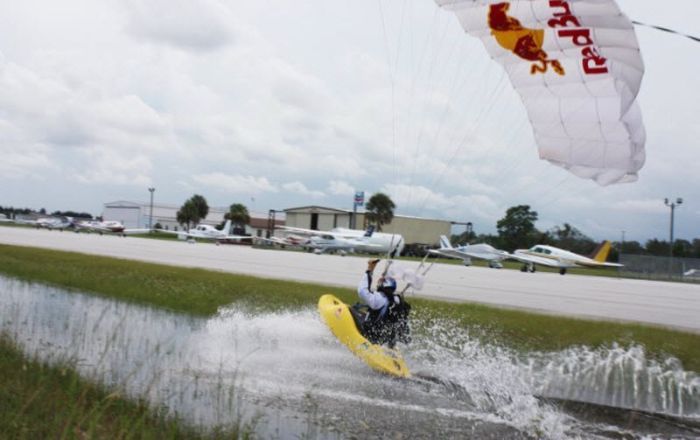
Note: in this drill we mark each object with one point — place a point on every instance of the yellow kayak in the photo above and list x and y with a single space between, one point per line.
338 317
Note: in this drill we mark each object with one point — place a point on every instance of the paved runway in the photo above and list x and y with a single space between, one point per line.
674 305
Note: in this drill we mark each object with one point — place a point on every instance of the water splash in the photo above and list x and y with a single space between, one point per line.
289 367
622 377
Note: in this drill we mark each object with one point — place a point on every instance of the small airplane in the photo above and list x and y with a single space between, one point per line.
465 253
106 227
554 257
290 240
208 232
59 223
343 240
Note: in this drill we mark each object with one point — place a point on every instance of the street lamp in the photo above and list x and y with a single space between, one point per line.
672 205
150 217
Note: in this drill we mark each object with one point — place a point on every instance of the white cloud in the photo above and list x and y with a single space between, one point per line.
236 184
340 188
645 206
107 166
194 25
426 202
303 93
300 188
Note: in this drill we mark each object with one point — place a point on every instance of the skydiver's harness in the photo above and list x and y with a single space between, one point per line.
387 324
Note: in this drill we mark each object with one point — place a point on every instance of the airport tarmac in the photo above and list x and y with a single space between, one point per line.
675 305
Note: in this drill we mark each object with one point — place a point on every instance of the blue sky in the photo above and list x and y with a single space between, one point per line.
277 104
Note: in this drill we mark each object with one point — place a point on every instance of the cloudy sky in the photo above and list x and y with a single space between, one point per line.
286 103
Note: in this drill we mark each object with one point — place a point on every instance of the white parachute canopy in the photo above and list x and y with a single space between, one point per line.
577 67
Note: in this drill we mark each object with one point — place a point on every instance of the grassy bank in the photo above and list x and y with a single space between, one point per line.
42 401
201 292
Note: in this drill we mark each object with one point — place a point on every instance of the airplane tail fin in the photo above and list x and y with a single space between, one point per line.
370 231
600 254
445 242
227 227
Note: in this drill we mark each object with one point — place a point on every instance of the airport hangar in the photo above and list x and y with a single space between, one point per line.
415 230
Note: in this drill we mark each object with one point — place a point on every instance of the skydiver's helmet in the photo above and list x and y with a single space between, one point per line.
388 286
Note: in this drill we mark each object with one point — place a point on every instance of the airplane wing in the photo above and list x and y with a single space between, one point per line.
464 253
135 231
232 237
598 264
450 253
540 260
311 232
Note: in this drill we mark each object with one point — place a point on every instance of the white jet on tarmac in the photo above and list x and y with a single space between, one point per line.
481 251
351 240
106 227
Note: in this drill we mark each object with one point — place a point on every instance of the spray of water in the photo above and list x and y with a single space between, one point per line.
289 368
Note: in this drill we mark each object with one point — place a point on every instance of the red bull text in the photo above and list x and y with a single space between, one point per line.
528 43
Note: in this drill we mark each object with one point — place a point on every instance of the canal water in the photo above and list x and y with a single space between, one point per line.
285 376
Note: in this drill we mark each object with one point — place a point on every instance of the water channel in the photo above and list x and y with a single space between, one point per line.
285 375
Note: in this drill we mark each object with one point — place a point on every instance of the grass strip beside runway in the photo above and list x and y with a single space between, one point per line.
201 292
38 400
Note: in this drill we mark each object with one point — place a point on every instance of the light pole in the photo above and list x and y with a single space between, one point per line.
622 243
150 217
672 205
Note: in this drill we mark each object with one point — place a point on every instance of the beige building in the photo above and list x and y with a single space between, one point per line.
414 229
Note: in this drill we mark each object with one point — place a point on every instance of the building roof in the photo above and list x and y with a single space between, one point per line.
312 208
317 208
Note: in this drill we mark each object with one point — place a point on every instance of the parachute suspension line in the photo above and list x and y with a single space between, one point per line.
426 103
417 68
391 79
513 159
483 111
665 29
471 98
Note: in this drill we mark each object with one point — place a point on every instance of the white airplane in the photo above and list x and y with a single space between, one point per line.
207 232
351 240
290 240
106 227
465 253
59 223
554 257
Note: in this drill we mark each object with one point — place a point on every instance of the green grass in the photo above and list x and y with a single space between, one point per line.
38 400
201 292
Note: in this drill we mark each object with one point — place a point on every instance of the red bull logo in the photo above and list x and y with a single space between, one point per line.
528 43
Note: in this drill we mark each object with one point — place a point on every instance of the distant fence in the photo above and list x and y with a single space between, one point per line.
660 268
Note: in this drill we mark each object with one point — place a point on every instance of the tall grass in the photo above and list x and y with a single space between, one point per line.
41 400
201 292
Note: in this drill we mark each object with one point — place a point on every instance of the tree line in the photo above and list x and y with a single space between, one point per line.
11 212
516 230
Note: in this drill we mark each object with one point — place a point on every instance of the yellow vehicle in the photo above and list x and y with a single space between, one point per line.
339 318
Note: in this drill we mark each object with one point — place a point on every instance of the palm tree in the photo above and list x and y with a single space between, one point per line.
200 204
239 216
187 214
380 210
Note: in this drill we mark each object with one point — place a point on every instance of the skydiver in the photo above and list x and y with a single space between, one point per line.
382 316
